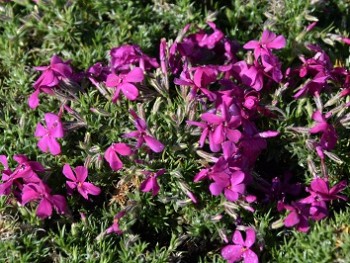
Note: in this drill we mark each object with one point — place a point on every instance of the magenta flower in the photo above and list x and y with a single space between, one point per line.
51 76
210 41
124 83
47 202
125 56
298 216
241 248
114 228
142 135
268 41
111 154
329 135
151 184
320 194
48 134
78 181
232 187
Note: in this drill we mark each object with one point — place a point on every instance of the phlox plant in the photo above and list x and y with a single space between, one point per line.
229 101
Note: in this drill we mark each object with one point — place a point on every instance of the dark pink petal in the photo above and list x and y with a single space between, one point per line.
250 257
51 120
233 253
216 188
43 144
252 44
113 80
319 185
29 194
112 158
250 237
129 90
136 75
203 137
201 175
320 127
233 135
278 43
40 130
338 188
218 134
292 219
62 69
91 189
83 192
212 118
59 203
154 144
147 185
56 131
237 177
67 171
33 100
237 238
231 195
44 209
81 173
267 37
134 134
53 145
122 149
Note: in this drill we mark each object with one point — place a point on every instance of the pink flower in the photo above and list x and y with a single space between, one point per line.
78 181
298 216
232 186
114 228
142 135
124 83
127 55
241 248
268 41
50 78
111 155
47 202
48 134
151 184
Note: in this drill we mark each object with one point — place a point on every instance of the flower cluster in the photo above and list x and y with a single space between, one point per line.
231 96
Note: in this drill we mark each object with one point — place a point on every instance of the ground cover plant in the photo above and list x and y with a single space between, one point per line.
207 131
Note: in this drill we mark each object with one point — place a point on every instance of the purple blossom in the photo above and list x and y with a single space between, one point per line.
78 181
25 172
125 83
329 136
48 134
232 187
320 194
267 42
47 202
51 76
114 228
241 248
143 136
151 184
111 155
125 56
298 216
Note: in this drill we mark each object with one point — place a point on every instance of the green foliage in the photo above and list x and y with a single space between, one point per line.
328 241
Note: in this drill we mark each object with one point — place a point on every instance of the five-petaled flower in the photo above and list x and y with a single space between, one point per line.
48 134
241 248
151 184
78 181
